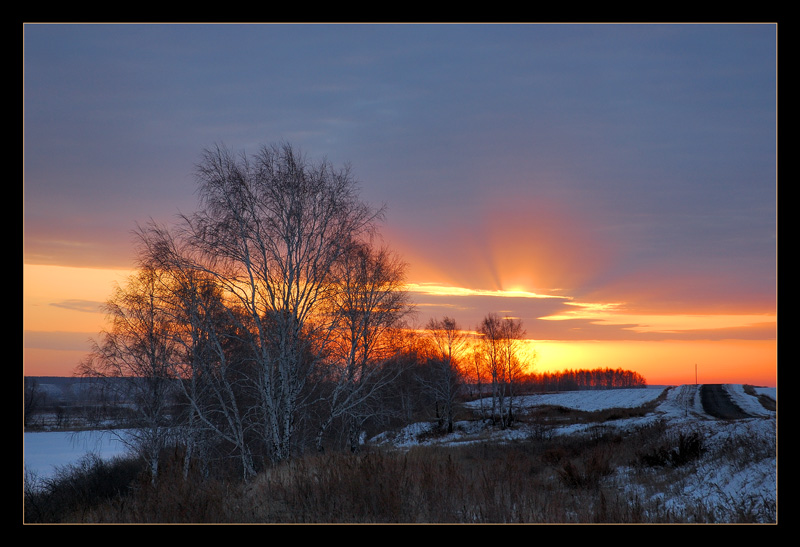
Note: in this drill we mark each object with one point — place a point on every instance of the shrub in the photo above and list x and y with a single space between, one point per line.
76 488
675 453
594 466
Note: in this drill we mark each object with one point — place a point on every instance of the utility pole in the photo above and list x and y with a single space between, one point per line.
695 374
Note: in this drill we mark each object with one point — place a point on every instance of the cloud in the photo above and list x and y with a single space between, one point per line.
630 164
561 317
88 306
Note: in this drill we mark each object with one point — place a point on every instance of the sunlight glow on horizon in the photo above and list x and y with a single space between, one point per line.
669 362
675 322
67 299
61 310
665 362
449 290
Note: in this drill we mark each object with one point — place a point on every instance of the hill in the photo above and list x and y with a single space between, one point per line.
735 469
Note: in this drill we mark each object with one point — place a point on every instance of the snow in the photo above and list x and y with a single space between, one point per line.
588 400
711 481
748 403
681 405
46 451
726 486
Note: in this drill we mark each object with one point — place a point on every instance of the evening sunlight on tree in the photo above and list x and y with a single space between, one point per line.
273 322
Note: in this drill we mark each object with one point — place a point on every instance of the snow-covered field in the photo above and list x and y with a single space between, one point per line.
681 406
713 480
728 484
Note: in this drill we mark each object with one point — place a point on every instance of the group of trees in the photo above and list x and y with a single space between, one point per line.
272 321
567 380
268 307
498 355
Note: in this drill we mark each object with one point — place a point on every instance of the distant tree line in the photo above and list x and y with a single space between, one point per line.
80 404
570 380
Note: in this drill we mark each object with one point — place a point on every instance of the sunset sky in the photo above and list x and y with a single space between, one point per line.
614 186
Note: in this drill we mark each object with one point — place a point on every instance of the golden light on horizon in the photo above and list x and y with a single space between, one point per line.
66 299
669 362
62 298
610 314
60 312
663 362
664 359
438 289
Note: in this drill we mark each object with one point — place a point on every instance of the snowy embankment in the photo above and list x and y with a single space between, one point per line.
737 472
599 399
681 403
725 482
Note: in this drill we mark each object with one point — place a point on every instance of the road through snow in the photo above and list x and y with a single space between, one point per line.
718 403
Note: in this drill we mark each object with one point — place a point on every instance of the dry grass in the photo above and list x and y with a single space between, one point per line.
605 476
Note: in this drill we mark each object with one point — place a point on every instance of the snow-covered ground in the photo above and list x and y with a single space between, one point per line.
45 451
712 481
681 405
728 485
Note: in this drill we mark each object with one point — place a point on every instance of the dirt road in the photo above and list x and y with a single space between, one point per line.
717 403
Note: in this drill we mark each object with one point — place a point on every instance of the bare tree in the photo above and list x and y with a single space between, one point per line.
488 353
269 300
213 379
137 352
512 334
370 301
271 230
478 373
447 342
499 353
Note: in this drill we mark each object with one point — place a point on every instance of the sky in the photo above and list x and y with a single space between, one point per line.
614 186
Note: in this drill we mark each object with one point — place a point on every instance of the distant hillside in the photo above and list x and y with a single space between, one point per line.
61 388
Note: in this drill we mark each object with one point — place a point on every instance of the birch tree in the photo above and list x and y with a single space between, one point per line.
270 230
446 342
499 351
270 287
213 377
369 303
512 334
136 354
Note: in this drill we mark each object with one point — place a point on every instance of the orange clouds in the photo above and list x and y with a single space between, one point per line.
59 298
61 311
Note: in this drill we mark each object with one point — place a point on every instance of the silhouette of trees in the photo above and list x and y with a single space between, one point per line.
269 302
271 231
271 321
33 398
368 305
497 355
139 348
446 343
567 380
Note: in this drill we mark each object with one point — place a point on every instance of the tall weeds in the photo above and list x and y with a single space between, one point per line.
601 477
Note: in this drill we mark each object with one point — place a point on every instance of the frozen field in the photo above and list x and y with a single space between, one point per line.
712 479
717 480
